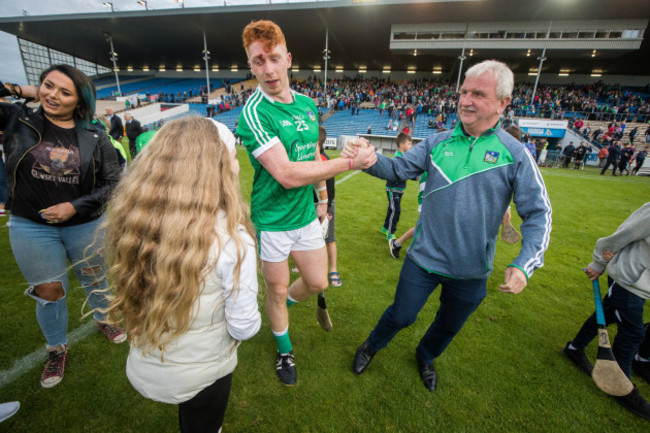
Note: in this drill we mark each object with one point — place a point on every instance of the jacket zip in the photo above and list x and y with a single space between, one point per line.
470 151
40 138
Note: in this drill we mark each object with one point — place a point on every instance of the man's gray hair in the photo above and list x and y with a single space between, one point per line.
500 71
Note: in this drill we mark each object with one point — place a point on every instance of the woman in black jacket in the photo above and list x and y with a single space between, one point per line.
61 171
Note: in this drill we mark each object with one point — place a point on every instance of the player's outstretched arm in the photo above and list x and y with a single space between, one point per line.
292 174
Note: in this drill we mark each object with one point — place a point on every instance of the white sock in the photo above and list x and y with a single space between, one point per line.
281 333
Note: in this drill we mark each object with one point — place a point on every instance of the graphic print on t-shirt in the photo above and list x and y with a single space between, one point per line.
56 163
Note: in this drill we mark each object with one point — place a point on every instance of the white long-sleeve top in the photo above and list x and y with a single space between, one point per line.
243 318
208 351
630 244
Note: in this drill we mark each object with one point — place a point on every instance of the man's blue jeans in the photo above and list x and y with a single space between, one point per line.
42 253
458 300
3 182
626 310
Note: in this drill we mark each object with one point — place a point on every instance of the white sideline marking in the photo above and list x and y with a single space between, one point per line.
347 177
77 335
39 356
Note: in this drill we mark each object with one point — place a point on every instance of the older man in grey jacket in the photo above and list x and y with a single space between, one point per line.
474 171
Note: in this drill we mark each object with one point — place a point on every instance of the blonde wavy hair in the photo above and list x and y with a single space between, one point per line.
160 227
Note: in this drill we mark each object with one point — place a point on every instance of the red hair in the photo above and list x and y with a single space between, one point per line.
264 31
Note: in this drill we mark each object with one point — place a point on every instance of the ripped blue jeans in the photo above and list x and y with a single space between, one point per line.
42 253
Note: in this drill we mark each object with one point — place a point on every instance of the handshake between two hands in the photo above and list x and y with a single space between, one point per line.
361 152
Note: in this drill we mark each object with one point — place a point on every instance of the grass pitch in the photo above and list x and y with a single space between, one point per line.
504 372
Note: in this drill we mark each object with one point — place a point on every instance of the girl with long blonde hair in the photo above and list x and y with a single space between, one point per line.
183 269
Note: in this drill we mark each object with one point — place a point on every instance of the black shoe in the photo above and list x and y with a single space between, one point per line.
394 249
642 369
635 404
286 368
427 374
363 357
579 358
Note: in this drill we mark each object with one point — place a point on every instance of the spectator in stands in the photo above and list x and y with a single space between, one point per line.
117 129
640 159
65 170
647 135
184 352
632 134
133 129
596 134
578 125
369 131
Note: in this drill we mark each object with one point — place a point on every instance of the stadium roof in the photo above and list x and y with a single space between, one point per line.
359 34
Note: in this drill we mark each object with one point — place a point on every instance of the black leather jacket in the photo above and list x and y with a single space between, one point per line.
23 130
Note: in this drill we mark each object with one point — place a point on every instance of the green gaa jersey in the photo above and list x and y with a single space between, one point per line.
263 123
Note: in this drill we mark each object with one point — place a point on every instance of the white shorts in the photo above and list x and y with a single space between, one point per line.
276 246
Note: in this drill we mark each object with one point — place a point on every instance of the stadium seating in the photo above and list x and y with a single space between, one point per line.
132 85
344 123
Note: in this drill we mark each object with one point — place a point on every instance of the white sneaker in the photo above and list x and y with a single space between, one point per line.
7 410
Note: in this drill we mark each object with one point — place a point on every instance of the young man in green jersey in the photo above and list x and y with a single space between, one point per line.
279 128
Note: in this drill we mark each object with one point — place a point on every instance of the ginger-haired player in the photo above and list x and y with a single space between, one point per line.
279 128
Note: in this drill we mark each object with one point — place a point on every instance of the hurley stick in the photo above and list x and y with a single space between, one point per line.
607 374
509 233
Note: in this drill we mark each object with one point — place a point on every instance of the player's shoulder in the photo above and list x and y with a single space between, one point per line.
438 137
255 101
304 99
255 109
515 146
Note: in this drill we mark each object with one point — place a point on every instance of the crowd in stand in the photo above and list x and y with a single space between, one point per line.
592 102
403 101
597 101
180 96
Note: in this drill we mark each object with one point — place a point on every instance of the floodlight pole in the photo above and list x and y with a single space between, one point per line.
206 57
539 72
114 59
460 68
326 56
539 68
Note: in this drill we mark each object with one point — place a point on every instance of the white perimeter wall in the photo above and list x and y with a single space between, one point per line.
152 113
